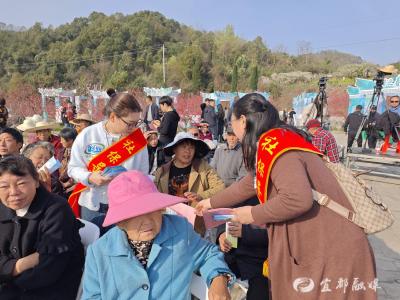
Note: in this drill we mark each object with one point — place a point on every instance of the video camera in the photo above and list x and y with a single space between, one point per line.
380 76
322 83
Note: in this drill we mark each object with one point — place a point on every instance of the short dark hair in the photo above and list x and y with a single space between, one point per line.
17 136
122 104
359 107
68 134
18 166
2 101
149 98
111 92
166 100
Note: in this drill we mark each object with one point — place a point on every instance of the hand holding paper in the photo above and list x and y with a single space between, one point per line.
113 171
215 217
52 165
229 237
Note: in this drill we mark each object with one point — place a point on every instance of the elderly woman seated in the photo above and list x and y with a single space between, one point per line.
39 153
149 255
41 256
188 175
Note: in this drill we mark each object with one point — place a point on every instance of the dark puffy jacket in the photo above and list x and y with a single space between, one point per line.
168 127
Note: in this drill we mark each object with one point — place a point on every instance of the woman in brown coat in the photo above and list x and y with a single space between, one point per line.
313 252
188 175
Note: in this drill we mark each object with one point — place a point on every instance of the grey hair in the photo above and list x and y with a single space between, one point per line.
40 144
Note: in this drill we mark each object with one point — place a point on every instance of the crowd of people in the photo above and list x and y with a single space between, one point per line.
289 247
374 126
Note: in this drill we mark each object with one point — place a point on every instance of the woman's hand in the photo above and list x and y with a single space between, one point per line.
156 123
219 289
26 263
45 178
243 215
224 244
98 179
192 198
203 206
235 229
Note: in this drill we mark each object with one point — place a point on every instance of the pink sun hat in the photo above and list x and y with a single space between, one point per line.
132 194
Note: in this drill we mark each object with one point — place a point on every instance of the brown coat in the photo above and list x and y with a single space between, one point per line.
306 240
203 180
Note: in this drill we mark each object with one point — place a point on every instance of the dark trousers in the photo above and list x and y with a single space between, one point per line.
351 137
214 131
372 139
258 288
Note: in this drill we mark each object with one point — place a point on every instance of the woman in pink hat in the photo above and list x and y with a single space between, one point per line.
148 254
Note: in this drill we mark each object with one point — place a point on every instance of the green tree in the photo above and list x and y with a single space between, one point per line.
254 78
234 83
196 75
119 79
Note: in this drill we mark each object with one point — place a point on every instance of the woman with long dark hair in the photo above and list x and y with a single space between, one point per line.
221 122
313 251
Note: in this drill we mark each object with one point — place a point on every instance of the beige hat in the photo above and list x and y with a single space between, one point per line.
28 123
37 118
42 125
390 69
82 117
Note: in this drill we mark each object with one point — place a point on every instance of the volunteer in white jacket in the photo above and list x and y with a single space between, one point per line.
122 116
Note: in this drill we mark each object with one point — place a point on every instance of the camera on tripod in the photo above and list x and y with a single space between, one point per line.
322 83
380 78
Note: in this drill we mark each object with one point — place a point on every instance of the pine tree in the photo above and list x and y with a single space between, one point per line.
196 75
254 78
234 82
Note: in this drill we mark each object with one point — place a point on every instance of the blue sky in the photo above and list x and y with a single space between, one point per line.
367 28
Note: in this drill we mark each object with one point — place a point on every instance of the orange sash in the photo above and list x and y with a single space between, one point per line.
114 155
271 146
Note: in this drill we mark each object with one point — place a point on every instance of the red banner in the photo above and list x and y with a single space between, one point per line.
114 155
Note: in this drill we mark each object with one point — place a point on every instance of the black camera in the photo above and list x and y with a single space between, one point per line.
322 83
379 79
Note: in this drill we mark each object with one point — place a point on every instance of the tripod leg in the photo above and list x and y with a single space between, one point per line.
396 130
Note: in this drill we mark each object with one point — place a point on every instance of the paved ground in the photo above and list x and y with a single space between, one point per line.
386 244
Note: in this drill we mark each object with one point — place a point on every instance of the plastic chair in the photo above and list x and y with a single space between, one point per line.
198 287
89 234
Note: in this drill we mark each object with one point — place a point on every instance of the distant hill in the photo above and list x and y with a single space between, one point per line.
337 58
125 51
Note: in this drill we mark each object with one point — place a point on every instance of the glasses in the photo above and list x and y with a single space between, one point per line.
133 124
394 101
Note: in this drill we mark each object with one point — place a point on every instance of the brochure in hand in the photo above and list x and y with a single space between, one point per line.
114 171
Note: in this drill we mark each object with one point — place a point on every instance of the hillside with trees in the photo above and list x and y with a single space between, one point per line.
125 52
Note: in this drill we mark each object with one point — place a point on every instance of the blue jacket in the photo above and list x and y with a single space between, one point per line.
113 272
